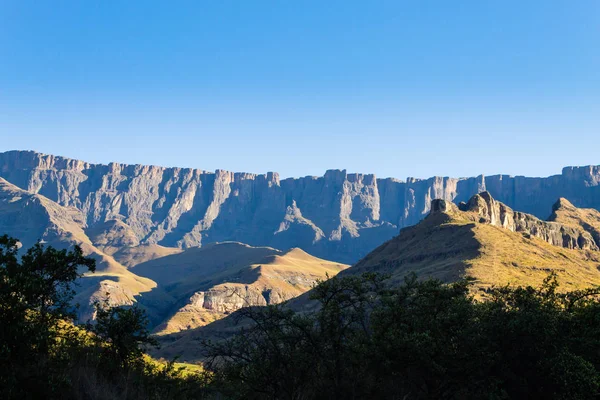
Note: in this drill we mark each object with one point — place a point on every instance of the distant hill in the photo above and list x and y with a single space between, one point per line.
31 218
339 216
206 284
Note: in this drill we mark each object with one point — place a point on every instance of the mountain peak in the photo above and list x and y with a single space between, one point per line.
562 203
483 208
441 206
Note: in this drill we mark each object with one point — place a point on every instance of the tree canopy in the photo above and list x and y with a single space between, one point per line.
419 340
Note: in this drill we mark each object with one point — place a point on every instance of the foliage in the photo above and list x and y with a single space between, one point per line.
357 338
123 331
421 339
44 355
35 298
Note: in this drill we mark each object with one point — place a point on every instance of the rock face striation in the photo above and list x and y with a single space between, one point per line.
32 217
179 289
339 216
487 210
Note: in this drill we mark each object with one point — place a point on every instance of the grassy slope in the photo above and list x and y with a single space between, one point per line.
236 269
450 246
446 246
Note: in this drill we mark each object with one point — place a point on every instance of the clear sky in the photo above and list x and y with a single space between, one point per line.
395 88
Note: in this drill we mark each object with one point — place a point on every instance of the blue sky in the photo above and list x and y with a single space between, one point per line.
398 88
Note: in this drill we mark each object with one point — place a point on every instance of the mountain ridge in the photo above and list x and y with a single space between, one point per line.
210 282
487 240
32 217
339 216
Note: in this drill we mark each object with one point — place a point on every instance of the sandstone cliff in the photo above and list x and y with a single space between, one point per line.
339 216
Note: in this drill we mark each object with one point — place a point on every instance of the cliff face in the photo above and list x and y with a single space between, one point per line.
480 238
339 216
483 208
31 217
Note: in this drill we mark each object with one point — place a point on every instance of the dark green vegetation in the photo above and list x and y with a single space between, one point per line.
420 340
362 339
43 355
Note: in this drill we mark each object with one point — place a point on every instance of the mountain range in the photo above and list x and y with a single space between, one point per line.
191 247
179 289
339 216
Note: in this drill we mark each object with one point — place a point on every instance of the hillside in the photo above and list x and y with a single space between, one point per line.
179 289
339 216
482 238
587 219
490 242
206 284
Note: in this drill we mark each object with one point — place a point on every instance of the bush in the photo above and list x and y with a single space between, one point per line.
364 339
420 340
35 301
44 355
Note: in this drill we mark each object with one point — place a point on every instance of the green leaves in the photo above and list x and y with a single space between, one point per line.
123 331
43 355
35 301
421 339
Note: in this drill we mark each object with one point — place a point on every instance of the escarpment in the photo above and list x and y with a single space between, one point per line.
179 289
338 216
480 238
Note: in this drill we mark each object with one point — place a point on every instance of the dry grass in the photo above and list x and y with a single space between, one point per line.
247 273
451 246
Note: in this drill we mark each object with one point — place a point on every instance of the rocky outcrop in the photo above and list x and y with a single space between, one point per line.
339 216
485 239
492 212
587 219
483 208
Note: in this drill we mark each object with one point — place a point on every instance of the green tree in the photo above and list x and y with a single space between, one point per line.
122 332
280 354
36 291
421 339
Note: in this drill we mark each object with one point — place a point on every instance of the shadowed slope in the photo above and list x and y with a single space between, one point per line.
210 282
